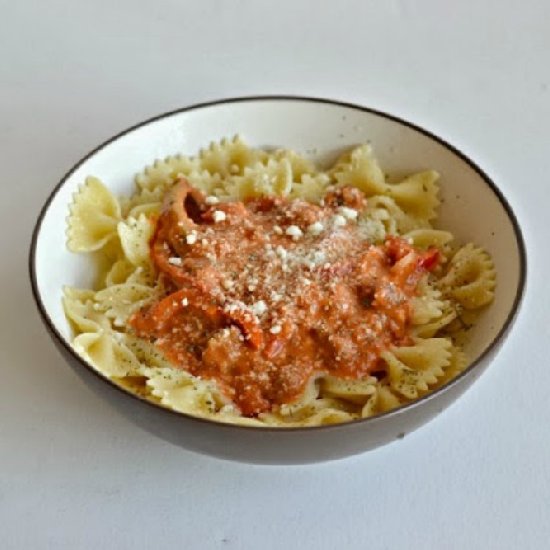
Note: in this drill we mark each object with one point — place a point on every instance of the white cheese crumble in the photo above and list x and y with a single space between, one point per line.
219 216
293 231
259 307
281 252
275 329
228 284
185 302
339 220
175 261
211 200
369 333
191 238
348 213
319 257
316 228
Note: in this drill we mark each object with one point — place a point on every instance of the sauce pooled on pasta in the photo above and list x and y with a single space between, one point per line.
262 295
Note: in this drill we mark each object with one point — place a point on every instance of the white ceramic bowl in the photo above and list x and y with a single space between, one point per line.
473 209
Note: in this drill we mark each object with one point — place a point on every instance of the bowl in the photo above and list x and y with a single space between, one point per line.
321 129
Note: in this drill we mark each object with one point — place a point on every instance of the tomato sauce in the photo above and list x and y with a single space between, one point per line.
264 294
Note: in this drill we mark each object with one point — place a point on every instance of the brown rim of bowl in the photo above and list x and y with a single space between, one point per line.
400 410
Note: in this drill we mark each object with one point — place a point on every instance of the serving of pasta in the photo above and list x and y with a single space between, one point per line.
247 286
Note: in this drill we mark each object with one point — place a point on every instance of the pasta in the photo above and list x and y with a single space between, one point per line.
95 214
395 219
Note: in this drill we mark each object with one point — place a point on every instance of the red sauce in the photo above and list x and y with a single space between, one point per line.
262 295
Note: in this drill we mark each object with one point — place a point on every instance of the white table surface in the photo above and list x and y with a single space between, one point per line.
75 474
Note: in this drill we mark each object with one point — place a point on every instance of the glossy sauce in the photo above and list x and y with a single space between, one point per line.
263 295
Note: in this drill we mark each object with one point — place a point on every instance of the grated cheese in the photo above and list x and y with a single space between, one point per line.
228 284
281 252
259 307
316 228
338 220
294 231
219 216
348 213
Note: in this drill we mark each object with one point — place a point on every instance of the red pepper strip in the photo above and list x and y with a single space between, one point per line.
175 202
168 240
161 313
161 254
430 259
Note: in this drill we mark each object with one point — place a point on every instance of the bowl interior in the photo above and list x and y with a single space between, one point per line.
471 208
